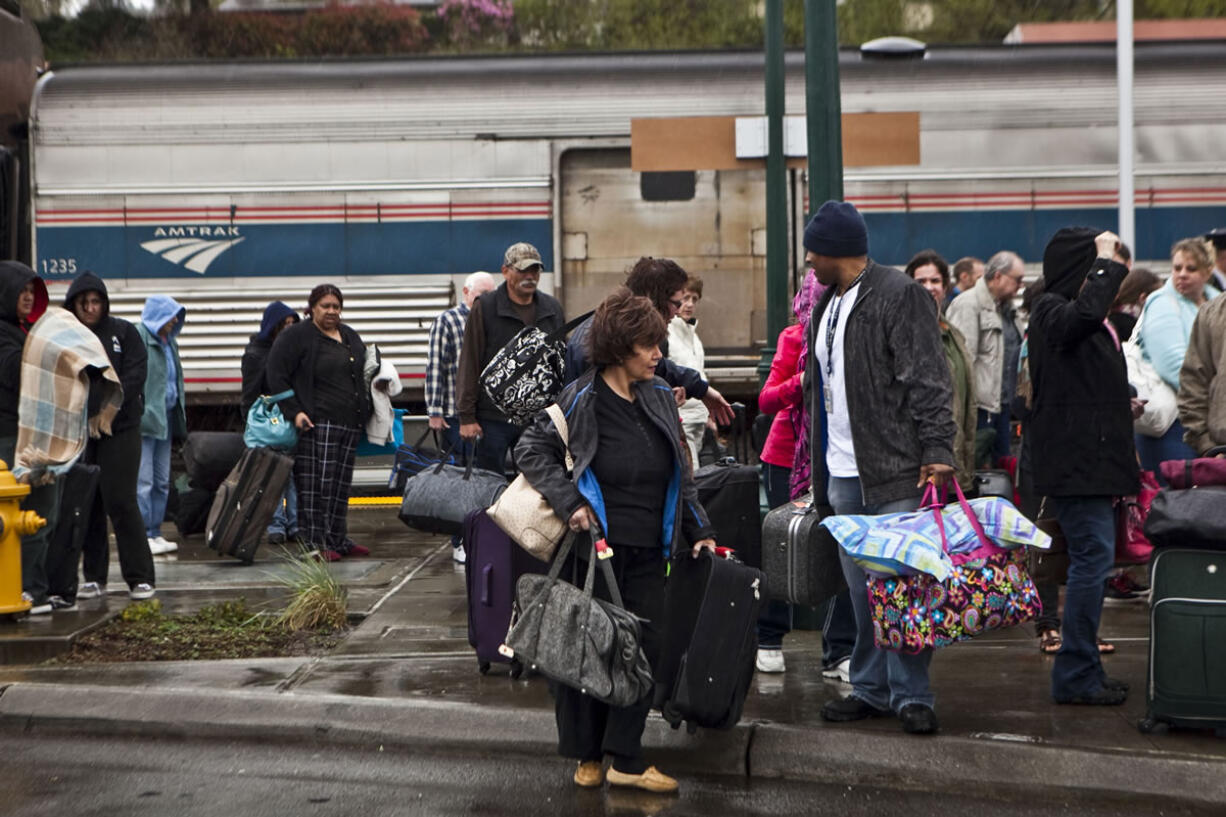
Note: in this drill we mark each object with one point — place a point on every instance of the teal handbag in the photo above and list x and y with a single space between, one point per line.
267 426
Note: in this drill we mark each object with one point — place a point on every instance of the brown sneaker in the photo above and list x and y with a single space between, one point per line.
651 780
589 774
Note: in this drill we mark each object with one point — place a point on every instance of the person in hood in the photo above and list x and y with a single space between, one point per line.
278 316
23 299
165 417
1081 446
117 457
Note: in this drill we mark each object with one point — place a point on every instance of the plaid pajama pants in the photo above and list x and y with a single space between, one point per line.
323 474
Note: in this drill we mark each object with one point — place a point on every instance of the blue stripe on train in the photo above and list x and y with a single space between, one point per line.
395 248
895 237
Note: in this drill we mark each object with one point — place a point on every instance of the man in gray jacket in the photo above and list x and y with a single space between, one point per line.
985 316
882 425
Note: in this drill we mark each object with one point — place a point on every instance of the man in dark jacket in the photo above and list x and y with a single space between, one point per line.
117 456
1081 440
880 405
496 318
23 299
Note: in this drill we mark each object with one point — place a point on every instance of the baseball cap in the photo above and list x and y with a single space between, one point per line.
522 256
1218 237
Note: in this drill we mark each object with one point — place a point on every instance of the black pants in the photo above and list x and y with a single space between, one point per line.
118 457
587 728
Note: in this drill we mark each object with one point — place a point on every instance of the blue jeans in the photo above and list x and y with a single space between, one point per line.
285 517
775 620
460 449
880 678
1089 526
999 423
496 439
153 483
1170 446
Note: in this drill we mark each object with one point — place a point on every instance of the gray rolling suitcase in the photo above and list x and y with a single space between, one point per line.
246 501
1186 686
799 557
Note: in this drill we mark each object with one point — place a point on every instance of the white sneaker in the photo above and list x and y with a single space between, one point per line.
141 591
770 660
840 671
37 609
166 545
91 590
458 555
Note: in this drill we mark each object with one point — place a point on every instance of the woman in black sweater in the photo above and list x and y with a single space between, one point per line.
630 477
322 359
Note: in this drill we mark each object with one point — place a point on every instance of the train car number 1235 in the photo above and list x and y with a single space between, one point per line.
59 266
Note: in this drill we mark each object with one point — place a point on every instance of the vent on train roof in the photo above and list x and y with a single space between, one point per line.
893 48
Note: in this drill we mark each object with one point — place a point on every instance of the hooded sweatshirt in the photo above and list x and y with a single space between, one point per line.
164 414
123 346
255 356
13 278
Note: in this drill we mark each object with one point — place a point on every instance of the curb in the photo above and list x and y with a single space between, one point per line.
753 750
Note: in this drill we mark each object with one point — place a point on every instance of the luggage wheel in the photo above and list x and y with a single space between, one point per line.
483 667
1147 725
517 669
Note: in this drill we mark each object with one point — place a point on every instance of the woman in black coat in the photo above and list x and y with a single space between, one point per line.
1081 441
322 360
630 479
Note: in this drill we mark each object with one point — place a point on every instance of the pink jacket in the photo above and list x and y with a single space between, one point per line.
782 391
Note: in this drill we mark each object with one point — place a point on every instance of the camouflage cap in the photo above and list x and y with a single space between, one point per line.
522 256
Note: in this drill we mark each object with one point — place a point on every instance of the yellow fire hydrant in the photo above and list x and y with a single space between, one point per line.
14 524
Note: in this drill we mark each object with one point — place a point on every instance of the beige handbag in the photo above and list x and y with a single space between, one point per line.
524 515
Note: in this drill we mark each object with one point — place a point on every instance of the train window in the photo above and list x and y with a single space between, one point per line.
668 186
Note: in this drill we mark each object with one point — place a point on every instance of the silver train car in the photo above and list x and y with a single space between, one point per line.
227 185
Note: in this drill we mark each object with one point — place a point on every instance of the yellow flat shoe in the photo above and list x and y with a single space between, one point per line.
651 780
589 774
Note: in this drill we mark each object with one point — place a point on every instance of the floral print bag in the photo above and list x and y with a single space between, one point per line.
989 588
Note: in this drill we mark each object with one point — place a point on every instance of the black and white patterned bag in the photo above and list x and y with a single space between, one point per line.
527 374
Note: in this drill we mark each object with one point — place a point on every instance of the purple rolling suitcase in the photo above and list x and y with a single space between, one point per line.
492 565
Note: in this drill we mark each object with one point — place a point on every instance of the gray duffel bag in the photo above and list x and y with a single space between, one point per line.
799 557
438 499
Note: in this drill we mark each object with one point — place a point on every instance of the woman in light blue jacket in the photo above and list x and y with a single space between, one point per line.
1166 325
165 417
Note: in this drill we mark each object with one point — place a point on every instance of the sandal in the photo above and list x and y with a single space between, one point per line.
1105 647
1049 642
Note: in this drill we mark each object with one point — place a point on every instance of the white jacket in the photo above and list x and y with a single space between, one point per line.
379 426
685 349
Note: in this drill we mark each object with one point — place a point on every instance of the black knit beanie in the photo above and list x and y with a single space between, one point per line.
837 231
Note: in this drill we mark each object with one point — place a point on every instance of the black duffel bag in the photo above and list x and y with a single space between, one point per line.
210 456
438 499
1192 517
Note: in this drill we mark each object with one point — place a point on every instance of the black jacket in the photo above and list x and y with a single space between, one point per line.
673 375
1080 432
13 278
291 365
541 459
899 394
255 356
124 347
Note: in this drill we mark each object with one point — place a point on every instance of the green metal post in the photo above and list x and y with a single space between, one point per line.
776 189
823 110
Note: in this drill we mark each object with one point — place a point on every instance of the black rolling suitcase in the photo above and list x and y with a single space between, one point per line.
730 494
493 564
799 557
208 456
1186 685
246 501
64 549
710 641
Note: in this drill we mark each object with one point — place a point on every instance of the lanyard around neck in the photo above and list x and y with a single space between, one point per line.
833 323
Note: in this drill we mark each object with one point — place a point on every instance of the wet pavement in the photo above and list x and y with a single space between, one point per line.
410 646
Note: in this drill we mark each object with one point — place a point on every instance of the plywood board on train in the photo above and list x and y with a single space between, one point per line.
709 142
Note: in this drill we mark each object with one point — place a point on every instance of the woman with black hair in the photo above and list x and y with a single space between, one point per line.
321 360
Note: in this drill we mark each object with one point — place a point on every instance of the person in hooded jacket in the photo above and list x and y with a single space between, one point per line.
1081 440
117 456
23 299
278 316
165 415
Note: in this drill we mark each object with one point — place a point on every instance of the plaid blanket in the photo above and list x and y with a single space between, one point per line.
59 358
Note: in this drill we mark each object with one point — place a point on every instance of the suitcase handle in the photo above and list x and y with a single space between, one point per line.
487 585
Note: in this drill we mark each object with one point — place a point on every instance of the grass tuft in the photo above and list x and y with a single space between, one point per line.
317 601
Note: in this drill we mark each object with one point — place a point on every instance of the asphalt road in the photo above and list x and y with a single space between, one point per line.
63 775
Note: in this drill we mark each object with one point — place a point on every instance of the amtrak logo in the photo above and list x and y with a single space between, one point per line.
195 248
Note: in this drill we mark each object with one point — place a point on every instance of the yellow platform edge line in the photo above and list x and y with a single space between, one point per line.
373 500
